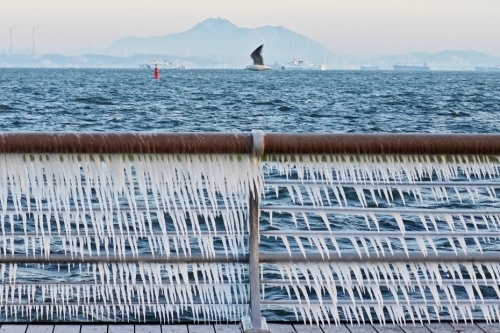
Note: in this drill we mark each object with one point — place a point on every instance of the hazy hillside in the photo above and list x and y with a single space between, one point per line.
220 40
218 43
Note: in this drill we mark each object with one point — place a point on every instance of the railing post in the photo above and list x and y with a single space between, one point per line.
256 323
253 258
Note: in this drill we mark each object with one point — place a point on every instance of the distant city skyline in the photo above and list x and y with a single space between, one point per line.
347 27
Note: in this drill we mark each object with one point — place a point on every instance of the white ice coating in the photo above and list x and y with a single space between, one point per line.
403 290
170 205
126 205
378 205
390 178
211 291
119 196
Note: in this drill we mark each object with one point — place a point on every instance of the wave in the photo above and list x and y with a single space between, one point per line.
94 100
229 101
4 107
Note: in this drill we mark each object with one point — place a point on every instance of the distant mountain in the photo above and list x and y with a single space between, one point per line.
218 43
229 45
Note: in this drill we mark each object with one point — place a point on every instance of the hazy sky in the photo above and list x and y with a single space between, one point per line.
343 26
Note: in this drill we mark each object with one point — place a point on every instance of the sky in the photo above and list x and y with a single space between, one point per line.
356 27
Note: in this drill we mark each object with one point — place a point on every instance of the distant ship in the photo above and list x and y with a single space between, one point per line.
170 65
302 65
488 69
411 67
369 68
164 65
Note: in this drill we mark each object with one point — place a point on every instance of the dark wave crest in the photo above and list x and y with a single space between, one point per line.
94 100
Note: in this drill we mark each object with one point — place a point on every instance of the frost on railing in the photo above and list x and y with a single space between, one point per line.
138 231
372 238
112 236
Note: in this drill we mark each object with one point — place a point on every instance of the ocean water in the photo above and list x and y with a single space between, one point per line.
237 100
131 100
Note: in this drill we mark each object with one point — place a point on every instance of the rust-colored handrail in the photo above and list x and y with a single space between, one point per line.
390 144
126 143
243 143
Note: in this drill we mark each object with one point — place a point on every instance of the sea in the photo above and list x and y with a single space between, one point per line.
131 100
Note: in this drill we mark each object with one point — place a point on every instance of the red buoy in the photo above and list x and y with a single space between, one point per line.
157 72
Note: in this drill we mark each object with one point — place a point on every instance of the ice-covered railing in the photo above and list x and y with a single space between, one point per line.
213 227
127 227
382 228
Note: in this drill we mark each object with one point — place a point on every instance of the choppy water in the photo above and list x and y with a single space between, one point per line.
237 100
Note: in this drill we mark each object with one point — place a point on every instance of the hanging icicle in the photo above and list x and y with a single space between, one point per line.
377 207
125 206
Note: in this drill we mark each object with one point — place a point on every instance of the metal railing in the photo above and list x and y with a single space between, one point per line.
219 226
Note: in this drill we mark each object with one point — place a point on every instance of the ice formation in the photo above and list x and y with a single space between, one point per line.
147 217
380 208
124 206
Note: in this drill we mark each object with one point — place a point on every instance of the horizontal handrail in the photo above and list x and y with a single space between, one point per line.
383 233
388 144
381 183
124 208
126 143
377 210
396 257
281 208
369 302
268 233
410 282
366 302
128 303
125 259
244 282
114 284
131 233
264 257
242 143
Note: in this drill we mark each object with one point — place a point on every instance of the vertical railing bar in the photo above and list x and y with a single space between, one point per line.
257 324
253 238
253 260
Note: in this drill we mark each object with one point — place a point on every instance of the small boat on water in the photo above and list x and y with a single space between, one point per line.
411 67
488 69
176 65
163 65
302 65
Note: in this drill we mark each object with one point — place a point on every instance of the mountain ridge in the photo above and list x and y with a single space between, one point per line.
218 43
221 40
229 46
